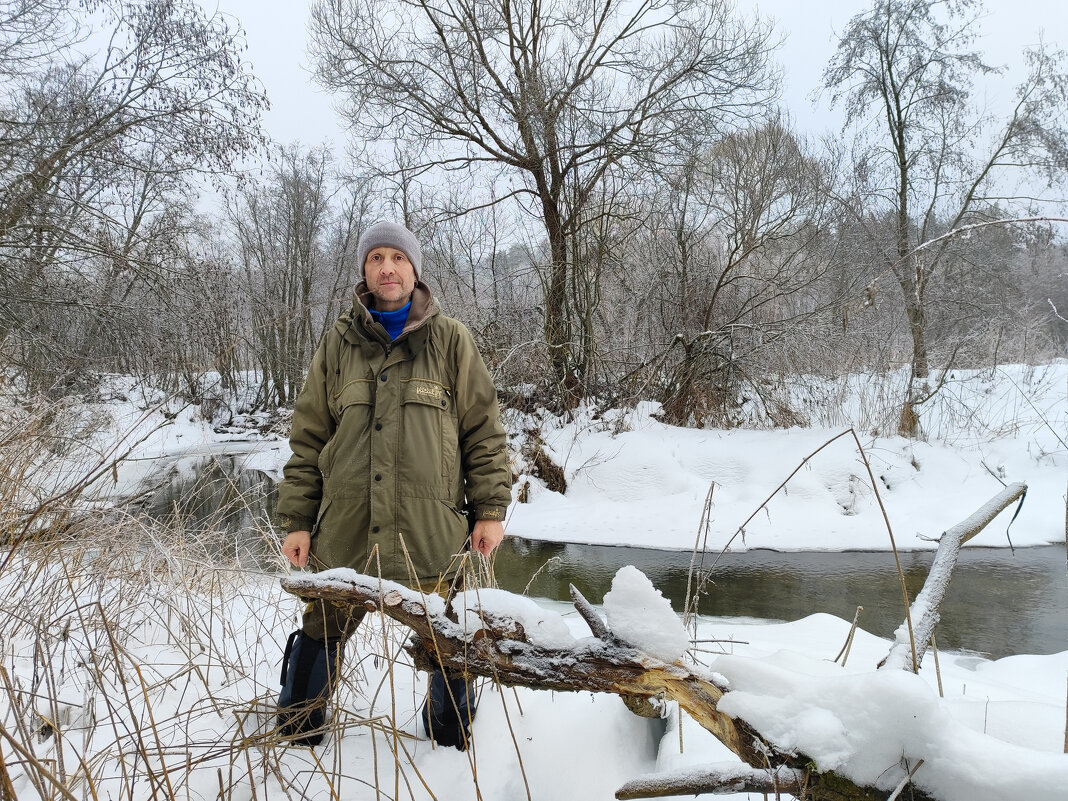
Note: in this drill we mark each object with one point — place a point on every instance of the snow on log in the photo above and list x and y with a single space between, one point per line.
502 649
732 777
512 641
639 614
924 611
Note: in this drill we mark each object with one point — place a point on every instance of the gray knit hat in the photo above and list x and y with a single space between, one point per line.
390 235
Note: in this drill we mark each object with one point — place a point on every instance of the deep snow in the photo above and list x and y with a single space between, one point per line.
998 733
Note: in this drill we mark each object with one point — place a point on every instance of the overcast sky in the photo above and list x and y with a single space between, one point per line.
276 32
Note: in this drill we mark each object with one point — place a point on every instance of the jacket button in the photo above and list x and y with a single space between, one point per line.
378 477
443 403
382 378
374 530
378 426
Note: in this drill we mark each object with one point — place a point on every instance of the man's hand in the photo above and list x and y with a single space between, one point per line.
295 547
486 536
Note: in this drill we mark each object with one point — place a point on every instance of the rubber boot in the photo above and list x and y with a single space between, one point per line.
448 710
309 675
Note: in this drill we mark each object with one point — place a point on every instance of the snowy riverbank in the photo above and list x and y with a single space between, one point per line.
153 671
200 653
632 480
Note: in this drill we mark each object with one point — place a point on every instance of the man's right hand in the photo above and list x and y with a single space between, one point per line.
295 547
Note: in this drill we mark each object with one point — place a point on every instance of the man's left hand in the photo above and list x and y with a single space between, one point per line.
486 535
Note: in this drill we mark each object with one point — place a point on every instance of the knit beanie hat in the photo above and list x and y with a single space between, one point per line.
390 235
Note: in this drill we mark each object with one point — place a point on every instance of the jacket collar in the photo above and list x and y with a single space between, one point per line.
357 323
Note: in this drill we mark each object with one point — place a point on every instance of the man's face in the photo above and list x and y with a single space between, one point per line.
390 277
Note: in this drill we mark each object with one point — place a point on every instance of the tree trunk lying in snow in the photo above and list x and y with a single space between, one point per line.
502 651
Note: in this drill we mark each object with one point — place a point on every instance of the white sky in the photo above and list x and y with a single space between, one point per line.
277 38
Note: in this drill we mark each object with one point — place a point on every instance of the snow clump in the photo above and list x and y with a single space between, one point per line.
871 727
639 614
544 628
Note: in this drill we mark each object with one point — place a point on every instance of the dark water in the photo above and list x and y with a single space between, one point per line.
998 603
214 494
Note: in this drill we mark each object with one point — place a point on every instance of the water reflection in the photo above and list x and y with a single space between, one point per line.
211 495
997 603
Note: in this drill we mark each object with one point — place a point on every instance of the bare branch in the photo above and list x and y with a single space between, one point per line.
716 779
925 609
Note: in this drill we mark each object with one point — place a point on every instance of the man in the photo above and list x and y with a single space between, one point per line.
396 444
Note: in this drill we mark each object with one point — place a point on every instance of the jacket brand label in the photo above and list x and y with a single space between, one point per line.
429 392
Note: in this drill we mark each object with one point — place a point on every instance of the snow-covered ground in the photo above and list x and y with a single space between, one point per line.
635 481
207 660
201 672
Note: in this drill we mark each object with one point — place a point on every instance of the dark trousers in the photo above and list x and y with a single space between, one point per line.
310 668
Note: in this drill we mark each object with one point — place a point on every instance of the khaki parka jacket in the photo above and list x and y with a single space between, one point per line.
392 441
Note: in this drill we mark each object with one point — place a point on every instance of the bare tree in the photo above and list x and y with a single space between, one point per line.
903 70
96 148
732 267
561 94
31 30
295 238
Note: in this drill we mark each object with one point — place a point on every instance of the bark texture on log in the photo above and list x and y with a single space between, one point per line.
715 780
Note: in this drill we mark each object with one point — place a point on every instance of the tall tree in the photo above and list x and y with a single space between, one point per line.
903 70
560 94
97 146
295 237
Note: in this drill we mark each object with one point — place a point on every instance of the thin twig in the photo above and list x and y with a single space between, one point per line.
844 653
905 782
893 547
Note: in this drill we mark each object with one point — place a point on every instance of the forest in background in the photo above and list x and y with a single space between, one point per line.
608 195
611 198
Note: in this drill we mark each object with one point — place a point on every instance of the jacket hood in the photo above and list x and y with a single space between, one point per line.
423 308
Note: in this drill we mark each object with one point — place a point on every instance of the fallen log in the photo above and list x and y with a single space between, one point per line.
500 649
715 779
924 611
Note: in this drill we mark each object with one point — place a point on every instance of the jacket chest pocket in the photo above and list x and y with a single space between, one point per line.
352 408
429 431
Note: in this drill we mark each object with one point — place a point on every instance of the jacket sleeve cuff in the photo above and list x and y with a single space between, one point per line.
490 513
288 523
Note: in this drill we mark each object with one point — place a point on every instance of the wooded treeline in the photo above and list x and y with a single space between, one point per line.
607 193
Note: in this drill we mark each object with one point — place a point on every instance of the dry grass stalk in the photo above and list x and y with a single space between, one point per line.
140 656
